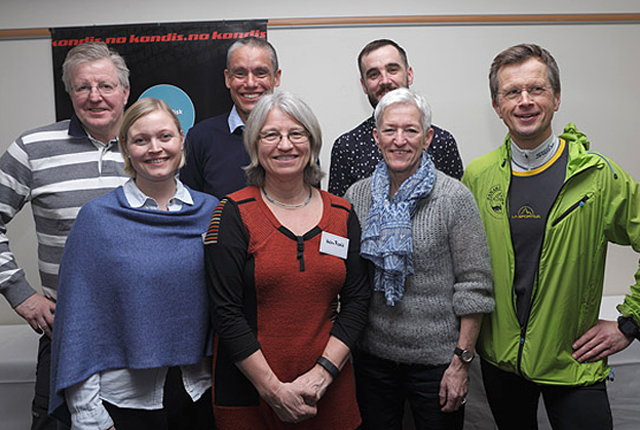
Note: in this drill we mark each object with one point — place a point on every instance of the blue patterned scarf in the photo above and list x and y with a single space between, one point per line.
386 236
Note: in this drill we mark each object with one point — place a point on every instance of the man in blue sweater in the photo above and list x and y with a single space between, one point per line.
215 153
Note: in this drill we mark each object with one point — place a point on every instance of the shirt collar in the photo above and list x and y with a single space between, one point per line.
137 199
75 127
528 159
234 120
77 130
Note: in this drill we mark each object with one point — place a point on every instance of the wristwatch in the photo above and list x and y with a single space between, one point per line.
628 327
465 355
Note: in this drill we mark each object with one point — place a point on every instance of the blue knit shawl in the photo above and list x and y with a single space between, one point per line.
132 291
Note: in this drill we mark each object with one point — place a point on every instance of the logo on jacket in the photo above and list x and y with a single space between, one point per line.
525 212
495 201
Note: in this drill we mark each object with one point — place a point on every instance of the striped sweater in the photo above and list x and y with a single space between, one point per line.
57 168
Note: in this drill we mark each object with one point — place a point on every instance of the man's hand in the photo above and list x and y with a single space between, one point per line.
38 311
454 385
600 341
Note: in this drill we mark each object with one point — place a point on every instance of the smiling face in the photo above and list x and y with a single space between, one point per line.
527 116
250 76
100 114
154 146
401 139
283 161
383 70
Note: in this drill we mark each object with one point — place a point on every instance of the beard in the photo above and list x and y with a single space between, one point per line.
374 99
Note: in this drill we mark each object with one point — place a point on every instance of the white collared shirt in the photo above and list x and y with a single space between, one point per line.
137 199
234 122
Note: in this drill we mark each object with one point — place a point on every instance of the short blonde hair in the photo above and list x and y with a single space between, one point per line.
137 110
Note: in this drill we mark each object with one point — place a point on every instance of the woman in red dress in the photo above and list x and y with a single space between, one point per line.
279 253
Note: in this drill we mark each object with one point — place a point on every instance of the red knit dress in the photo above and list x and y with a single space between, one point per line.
285 290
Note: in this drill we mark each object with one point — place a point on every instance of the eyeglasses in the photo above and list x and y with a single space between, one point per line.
515 93
274 138
104 88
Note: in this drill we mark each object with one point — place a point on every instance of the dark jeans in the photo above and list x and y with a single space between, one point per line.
383 386
40 406
179 411
514 402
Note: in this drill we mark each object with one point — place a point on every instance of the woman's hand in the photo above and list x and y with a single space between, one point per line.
317 381
454 386
292 402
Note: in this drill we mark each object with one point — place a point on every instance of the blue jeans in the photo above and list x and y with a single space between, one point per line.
514 402
383 386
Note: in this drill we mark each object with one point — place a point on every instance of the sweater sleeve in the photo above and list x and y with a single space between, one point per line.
191 172
15 191
225 257
356 292
473 285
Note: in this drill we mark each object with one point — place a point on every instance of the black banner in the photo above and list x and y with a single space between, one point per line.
181 63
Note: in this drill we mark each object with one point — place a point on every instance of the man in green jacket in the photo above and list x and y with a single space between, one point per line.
549 207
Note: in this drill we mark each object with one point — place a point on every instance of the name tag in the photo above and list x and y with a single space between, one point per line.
334 245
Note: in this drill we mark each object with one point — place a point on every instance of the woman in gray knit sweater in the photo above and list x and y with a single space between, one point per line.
423 233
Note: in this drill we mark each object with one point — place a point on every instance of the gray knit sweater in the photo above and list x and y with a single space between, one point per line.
452 277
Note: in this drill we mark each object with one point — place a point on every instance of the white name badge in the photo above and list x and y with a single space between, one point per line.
334 245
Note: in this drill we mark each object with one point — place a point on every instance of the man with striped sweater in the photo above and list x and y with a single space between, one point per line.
58 168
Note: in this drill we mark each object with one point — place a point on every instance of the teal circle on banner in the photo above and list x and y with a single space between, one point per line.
178 101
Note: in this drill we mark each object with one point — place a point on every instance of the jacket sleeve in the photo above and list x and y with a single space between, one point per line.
15 191
623 228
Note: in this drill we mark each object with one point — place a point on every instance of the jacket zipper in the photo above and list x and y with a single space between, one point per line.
523 328
573 207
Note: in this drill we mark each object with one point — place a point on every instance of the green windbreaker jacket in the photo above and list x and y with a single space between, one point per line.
598 203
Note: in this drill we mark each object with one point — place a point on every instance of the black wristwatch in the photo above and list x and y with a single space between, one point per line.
465 355
628 327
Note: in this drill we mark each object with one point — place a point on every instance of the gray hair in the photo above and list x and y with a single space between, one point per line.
404 96
254 42
297 109
518 54
93 51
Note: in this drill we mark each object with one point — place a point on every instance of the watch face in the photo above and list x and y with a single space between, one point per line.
466 356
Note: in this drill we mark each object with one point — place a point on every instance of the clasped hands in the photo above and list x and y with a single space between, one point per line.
296 401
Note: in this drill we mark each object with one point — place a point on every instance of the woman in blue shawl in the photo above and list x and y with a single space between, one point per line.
132 336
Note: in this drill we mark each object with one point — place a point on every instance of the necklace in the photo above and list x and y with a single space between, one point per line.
285 205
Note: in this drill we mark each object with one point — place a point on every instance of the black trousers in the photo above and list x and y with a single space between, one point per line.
514 403
179 412
383 386
39 408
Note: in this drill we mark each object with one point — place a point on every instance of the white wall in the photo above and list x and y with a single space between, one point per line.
599 69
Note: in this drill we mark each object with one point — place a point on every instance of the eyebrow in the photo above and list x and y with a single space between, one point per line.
386 66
